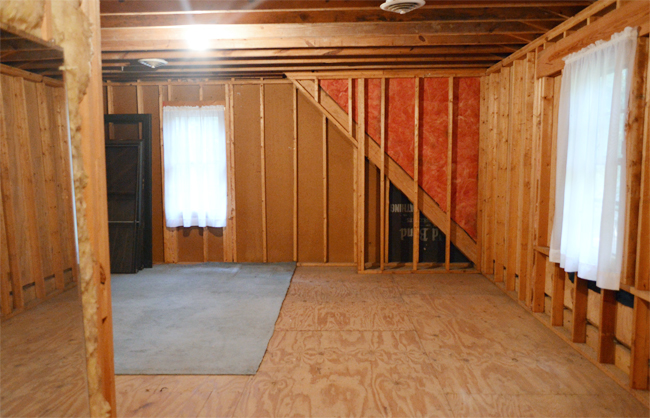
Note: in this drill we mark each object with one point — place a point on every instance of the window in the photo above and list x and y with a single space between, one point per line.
588 228
195 166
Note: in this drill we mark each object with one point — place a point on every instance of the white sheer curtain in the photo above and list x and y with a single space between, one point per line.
588 227
194 141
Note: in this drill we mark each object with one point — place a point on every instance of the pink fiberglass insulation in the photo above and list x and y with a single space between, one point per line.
434 119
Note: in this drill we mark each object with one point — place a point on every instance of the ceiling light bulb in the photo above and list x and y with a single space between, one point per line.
197 37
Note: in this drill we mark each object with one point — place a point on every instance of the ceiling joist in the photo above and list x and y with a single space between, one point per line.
273 37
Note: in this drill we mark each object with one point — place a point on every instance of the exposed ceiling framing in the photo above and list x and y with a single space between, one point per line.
267 38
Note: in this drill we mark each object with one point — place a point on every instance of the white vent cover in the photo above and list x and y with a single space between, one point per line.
402 6
153 62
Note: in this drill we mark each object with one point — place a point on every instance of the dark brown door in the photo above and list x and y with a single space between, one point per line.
124 194
128 181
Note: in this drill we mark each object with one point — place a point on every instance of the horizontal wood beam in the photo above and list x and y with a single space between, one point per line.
633 14
296 61
311 52
540 16
140 6
138 40
231 32
183 72
460 72
583 15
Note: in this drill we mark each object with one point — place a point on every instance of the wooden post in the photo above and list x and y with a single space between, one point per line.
514 163
543 186
295 174
416 177
382 179
206 231
265 252
6 160
557 298
169 234
634 155
49 170
642 268
492 187
361 176
607 329
581 292
325 193
350 105
227 239
92 147
450 154
640 351
28 185
482 160
525 213
232 202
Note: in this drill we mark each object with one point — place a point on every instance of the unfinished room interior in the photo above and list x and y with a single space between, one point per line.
269 208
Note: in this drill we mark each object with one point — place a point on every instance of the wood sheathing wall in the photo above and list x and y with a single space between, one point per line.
290 172
37 236
519 108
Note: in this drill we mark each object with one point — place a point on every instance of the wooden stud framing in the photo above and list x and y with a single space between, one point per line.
640 351
557 298
169 234
642 270
6 299
62 149
50 178
9 213
579 330
514 188
382 180
416 176
607 328
361 175
350 110
480 220
386 221
325 192
265 252
227 239
501 186
634 155
544 157
230 151
29 185
491 215
524 213
206 231
450 154
295 173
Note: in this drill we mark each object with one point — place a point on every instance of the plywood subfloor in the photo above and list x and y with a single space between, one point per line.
395 345
43 361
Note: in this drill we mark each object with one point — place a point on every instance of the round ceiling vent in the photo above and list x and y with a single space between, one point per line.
401 6
153 62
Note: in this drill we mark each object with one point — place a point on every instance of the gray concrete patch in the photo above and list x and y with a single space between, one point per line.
211 318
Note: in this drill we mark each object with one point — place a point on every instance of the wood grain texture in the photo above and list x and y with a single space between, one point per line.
248 189
340 197
279 171
43 361
470 350
344 374
310 182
